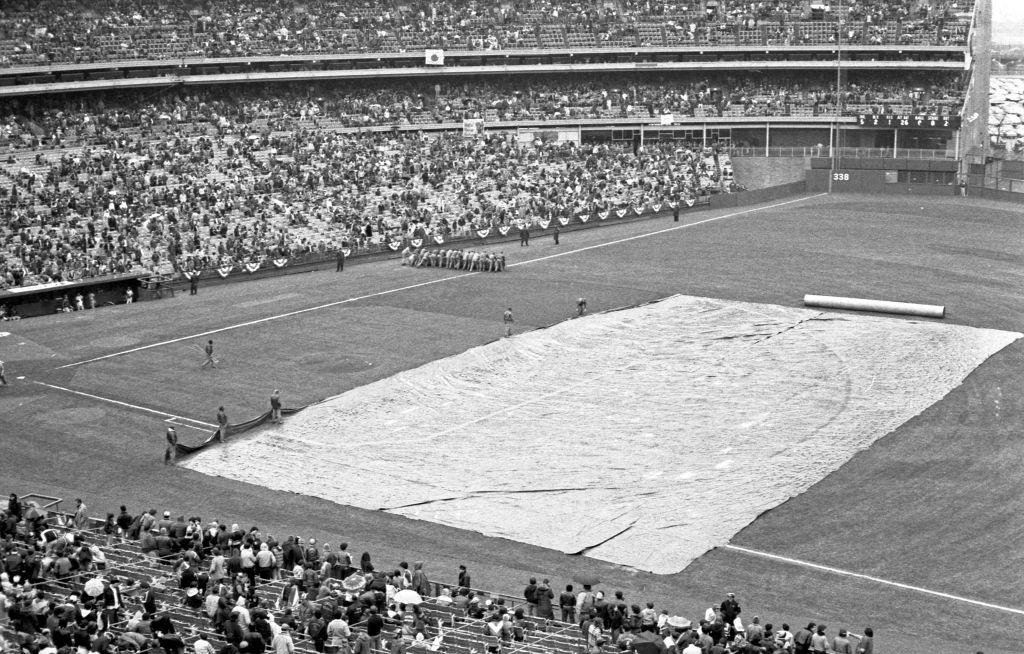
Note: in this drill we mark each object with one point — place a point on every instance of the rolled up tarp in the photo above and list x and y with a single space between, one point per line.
878 306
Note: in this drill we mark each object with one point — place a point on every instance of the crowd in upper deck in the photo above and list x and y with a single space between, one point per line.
34 32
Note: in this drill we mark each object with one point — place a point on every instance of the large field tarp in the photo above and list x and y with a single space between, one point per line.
643 437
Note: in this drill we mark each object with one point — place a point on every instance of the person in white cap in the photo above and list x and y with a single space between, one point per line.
282 643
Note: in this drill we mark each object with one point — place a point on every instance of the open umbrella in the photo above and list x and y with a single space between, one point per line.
408 597
587 579
354 582
679 622
94 587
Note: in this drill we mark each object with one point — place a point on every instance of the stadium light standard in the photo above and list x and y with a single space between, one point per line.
839 65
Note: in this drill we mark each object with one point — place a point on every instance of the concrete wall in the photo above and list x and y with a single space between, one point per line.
763 172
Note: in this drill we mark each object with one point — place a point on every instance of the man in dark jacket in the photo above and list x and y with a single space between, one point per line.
530 593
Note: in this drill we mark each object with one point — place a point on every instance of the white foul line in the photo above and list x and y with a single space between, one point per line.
162 414
429 282
877 580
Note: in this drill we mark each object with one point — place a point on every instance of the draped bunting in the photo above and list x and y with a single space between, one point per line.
224 271
345 251
189 274
281 263
673 204
438 239
544 223
690 201
394 245
416 242
252 266
656 207
620 213
638 210
504 229
603 214
584 217
564 220
482 233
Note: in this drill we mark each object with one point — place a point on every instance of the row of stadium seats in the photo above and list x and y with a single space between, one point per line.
34 32
160 586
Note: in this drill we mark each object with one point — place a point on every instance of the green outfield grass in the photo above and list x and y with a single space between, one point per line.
935 504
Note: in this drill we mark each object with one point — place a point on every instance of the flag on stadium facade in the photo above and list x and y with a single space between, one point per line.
433 57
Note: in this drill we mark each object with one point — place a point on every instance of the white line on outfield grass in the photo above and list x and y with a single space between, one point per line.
877 580
162 414
430 282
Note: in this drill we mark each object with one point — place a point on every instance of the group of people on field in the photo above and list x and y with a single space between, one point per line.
454 259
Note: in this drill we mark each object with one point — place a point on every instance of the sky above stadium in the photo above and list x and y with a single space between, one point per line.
1008 21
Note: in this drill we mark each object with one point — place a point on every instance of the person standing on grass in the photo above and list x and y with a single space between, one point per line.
340 262
193 284
210 361
867 642
172 446
222 424
81 519
509 320
556 233
275 406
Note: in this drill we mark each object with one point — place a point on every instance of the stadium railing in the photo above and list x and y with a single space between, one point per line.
851 153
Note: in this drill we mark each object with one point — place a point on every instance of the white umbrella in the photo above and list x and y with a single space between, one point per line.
94 587
408 597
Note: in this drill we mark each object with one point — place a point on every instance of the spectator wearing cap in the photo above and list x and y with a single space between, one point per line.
282 643
730 611
465 581
755 630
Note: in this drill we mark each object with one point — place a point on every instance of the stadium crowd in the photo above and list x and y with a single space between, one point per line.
72 119
145 583
36 32
204 194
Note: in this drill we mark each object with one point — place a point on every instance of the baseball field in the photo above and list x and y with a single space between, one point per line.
854 470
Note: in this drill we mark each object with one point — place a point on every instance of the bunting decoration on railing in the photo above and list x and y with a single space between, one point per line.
673 204
189 274
638 210
603 215
482 233
252 266
394 245
564 220
620 213
225 270
503 229
690 201
584 217
281 263
416 242
438 239
544 223
656 207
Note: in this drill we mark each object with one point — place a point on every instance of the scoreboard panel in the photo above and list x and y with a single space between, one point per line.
918 121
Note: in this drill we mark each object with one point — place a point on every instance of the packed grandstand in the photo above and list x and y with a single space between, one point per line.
143 583
56 31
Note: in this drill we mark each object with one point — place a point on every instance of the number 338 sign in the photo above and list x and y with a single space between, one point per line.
840 177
